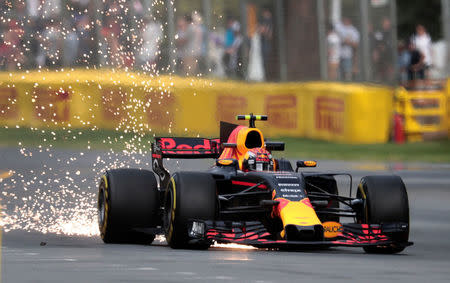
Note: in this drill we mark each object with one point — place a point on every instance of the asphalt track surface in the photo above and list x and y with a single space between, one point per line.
28 255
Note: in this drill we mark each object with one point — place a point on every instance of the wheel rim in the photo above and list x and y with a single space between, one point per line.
168 210
101 208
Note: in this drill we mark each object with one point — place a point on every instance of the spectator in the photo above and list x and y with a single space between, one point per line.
383 52
194 43
333 51
255 70
152 34
31 52
110 46
85 40
181 44
71 45
33 8
52 42
202 35
189 41
229 33
403 61
422 42
51 9
216 54
266 31
233 54
416 67
11 47
349 37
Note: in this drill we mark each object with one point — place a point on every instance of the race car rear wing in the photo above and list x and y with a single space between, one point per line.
180 148
185 148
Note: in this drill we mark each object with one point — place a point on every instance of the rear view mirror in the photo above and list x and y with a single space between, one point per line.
274 146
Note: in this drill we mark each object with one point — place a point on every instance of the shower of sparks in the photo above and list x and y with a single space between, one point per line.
60 195
233 246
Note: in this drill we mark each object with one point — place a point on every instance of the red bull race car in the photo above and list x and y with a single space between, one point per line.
249 197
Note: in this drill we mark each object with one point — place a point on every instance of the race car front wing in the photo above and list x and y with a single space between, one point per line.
255 234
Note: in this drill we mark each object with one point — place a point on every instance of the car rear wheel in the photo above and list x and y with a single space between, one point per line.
386 201
128 199
190 195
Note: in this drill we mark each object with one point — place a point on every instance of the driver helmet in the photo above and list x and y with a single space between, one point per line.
258 159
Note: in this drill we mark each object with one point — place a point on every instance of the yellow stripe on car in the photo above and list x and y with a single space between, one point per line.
299 213
360 188
105 180
172 213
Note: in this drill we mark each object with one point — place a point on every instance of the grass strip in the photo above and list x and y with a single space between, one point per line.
436 151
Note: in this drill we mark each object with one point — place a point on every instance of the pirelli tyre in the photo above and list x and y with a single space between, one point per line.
128 199
386 201
190 195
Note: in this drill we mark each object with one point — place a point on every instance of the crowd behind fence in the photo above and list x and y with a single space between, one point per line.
264 40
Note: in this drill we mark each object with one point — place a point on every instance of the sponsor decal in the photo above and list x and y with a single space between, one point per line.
8 103
289 196
285 177
52 105
185 143
114 102
290 190
230 106
282 111
332 229
160 109
330 114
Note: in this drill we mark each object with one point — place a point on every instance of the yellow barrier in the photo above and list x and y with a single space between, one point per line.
448 106
424 109
350 113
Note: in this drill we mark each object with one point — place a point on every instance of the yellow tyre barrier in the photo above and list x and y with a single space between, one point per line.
424 110
348 113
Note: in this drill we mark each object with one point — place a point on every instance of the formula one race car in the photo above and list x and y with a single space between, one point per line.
248 197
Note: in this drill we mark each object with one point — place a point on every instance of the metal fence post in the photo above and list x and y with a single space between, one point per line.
394 38
243 21
445 7
323 56
365 48
281 39
171 34
207 11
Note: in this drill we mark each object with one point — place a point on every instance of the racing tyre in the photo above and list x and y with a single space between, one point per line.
127 199
386 201
190 195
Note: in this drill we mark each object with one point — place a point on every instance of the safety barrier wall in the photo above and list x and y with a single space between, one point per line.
448 106
348 113
424 111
